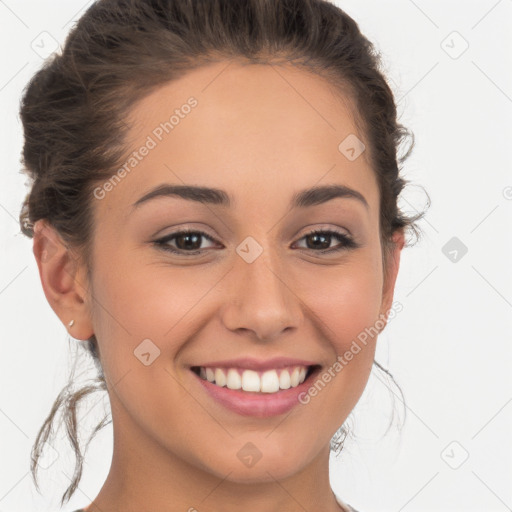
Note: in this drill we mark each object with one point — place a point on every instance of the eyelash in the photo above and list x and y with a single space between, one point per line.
347 242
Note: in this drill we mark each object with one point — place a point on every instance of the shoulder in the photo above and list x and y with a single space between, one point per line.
345 506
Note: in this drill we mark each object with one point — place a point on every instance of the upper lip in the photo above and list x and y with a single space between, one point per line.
250 363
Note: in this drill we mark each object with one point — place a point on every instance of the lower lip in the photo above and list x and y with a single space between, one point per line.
262 405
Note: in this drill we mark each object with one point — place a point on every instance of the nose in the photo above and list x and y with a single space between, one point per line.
261 299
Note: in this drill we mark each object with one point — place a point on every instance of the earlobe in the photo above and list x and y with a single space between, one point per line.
62 279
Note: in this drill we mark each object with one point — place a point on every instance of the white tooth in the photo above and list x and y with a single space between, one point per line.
284 379
220 377
294 378
234 381
269 382
210 375
250 381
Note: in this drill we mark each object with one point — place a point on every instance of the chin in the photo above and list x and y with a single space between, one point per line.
239 468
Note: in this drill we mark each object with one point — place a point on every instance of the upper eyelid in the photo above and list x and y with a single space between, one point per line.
307 230
334 231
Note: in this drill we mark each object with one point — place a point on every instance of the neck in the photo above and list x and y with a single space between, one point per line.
145 476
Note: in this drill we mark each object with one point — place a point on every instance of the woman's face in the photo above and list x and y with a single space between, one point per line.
255 287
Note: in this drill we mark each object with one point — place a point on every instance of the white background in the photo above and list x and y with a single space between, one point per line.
450 347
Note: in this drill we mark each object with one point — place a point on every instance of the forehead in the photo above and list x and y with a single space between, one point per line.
250 129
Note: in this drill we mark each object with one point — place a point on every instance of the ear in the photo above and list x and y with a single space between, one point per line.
391 272
63 279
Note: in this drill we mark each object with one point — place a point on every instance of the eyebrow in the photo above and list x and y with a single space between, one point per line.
206 195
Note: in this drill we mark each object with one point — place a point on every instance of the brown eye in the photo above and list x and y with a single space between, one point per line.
189 242
186 242
320 241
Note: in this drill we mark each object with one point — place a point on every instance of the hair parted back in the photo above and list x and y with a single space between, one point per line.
74 108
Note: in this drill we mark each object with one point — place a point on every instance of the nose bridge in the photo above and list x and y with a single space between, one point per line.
264 301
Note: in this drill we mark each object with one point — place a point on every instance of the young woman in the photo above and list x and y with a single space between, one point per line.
214 213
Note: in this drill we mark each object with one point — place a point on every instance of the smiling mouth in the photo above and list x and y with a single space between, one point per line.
269 381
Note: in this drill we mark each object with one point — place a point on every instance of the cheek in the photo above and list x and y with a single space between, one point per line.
137 301
345 299
344 304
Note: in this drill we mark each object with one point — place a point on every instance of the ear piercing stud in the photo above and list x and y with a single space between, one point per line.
71 323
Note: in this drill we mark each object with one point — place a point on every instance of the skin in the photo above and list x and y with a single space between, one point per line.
258 138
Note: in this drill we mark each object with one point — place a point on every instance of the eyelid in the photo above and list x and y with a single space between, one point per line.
346 241
311 228
163 241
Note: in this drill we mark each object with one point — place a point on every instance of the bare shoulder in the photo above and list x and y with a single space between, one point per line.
345 506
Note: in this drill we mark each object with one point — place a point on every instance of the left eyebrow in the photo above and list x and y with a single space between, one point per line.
206 195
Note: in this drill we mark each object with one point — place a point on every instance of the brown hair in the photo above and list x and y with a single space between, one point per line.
73 111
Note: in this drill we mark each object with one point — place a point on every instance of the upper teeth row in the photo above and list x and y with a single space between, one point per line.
249 380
